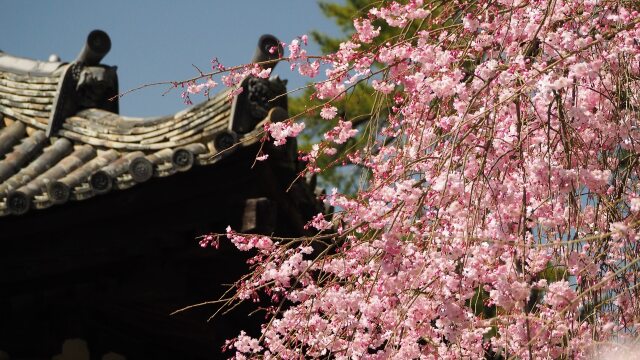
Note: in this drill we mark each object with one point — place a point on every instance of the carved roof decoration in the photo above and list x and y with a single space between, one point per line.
62 140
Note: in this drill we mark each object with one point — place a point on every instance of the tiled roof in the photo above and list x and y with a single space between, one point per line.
94 151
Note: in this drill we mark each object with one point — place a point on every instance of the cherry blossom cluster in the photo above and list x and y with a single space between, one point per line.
500 213
204 83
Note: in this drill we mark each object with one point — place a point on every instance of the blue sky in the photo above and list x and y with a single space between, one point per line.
156 40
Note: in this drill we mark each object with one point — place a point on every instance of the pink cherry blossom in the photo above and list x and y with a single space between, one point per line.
498 209
366 32
320 223
281 130
195 88
341 133
328 112
262 157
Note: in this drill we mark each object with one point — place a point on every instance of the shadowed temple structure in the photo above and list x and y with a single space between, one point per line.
99 212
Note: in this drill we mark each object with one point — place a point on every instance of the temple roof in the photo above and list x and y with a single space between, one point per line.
61 140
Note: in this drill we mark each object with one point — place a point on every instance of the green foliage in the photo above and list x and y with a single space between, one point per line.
554 273
343 16
355 107
478 303
359 106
